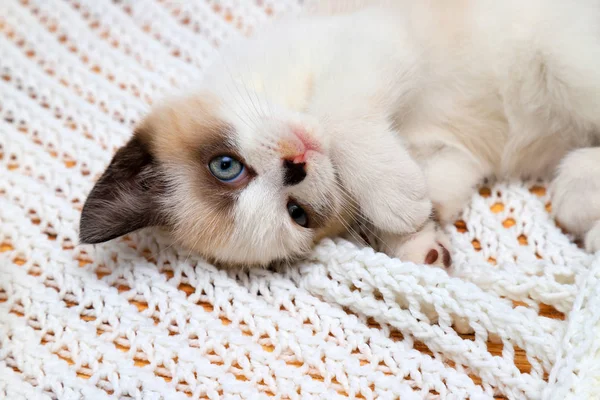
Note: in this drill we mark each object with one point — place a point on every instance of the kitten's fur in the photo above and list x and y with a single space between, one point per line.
395 109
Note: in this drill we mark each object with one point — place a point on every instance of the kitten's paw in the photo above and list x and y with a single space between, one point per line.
575 194
429 246
448 211
592 238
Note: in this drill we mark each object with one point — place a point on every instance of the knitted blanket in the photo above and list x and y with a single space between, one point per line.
138 318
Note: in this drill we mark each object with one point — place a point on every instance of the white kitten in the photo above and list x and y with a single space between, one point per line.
365 117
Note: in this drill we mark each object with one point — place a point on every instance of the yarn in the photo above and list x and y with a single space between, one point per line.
138 318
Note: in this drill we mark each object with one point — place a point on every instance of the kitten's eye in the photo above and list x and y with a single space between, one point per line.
297 213
227 169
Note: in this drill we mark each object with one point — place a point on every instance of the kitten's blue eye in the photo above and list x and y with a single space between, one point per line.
226 169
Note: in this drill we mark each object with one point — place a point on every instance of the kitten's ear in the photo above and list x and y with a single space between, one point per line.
126 197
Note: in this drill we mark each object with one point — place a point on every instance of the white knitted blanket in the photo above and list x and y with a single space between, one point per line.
138 318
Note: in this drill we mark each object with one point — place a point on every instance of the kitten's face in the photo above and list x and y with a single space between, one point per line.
235 186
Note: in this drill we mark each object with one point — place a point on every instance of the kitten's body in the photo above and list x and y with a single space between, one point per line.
392 109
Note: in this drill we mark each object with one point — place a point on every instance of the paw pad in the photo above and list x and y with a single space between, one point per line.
433 256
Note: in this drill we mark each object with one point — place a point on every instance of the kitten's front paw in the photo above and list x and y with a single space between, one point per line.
592 238
428 246
575 194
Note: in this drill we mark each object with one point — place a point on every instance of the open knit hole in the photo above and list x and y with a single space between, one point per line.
140 304
206 306
35 270
245 329
11 363
169 273
19 260
163 372
13 163
539 191
396 335
123 288
122 344
102 271
104 384
497 207
549 311
523 241
138 361
188 289
214 358
461 226
521 360
68 244
422 347
65 355
509 223
371 323
565 279
70 300
84 372
5 246
83 259
495 346
485 192
88 314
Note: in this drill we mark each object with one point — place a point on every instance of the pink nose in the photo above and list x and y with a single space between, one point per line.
299 159
307 144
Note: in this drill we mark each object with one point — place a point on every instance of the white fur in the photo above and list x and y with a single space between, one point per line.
576 195
415 103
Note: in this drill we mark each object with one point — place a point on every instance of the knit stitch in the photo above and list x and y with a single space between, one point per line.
139 318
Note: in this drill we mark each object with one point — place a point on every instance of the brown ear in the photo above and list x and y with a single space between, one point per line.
126 197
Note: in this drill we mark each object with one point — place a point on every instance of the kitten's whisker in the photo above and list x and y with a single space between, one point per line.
355 235
249 96
246 118
242 82
267 96
254 115
258 100
357 214
236 86
238 115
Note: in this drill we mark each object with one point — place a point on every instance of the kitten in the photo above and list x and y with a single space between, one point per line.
373 119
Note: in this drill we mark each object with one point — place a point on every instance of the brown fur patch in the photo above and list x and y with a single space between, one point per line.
126 197
179 128
185 134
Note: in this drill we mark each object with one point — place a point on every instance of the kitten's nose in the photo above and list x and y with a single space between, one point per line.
293 173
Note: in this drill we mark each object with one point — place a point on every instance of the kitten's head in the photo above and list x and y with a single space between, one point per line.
236 187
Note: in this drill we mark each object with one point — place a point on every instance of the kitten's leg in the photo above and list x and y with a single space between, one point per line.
394 191
452 176
377 171
576 195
